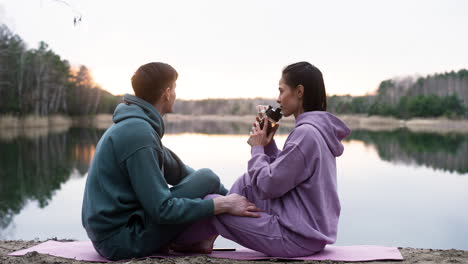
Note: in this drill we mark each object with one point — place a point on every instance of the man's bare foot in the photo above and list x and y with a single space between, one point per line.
203 247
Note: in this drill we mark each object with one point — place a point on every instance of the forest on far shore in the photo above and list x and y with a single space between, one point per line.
39 82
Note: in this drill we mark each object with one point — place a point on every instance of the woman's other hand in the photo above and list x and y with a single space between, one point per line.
259 136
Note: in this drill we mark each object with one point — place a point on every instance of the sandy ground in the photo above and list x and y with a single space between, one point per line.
411 255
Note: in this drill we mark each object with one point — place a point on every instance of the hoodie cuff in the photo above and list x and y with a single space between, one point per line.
271 147
257 150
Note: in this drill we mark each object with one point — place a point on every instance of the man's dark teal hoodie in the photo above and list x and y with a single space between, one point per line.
129 176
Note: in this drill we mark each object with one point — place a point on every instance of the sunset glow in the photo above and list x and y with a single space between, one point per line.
225 49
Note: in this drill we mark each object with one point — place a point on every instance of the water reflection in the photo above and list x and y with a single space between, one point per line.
447 152
48 169
33 168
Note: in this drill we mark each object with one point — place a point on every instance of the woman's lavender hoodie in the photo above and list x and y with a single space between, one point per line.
300 180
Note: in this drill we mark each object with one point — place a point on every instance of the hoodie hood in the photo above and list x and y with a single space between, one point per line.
135 107
332 129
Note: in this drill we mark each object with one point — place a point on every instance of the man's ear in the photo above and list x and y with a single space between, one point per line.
167 93
300 91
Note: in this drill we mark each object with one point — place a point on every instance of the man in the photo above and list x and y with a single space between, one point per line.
128 209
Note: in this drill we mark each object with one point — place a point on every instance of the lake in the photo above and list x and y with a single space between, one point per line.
397 188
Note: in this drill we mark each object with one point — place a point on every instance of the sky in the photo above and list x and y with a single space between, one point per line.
232 49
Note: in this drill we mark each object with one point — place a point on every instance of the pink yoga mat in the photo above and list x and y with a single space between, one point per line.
85 251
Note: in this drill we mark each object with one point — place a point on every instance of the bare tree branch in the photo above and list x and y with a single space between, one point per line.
77 17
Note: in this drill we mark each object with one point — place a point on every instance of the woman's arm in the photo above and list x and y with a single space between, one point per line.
272 151
291 166
272 180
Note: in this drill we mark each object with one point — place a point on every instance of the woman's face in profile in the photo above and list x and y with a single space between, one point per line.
288 99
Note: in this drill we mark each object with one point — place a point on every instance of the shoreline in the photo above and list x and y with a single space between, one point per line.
411 255
380 123
58 123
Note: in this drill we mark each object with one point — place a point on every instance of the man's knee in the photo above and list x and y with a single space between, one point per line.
208 177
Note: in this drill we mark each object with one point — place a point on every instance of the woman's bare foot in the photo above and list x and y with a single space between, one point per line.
203 247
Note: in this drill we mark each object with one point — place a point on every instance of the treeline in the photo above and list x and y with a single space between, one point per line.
407 107
236 106
37 81
450 106
431 96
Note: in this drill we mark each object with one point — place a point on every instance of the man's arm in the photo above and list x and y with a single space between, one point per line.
155 196
174 168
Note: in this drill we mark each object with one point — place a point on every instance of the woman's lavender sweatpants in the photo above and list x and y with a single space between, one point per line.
263 234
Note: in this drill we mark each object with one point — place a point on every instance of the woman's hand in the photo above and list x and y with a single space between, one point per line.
258 136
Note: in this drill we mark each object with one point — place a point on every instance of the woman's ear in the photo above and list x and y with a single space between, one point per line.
300 91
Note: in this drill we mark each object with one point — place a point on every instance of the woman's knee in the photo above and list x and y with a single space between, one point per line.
240 184
297 249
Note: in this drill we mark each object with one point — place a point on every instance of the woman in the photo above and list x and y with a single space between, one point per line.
296 188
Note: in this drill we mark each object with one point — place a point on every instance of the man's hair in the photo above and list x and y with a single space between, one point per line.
150 80
315 96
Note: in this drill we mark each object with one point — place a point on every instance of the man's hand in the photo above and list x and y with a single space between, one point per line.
235 204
